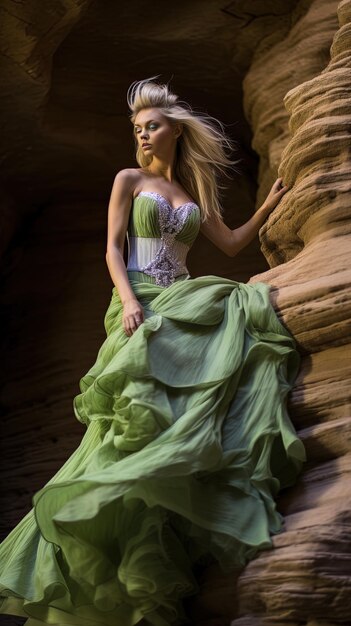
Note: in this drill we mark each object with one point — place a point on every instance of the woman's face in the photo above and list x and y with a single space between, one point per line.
153 128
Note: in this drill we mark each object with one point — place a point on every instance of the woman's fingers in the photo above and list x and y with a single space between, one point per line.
133 316
278 185
132 323
278 189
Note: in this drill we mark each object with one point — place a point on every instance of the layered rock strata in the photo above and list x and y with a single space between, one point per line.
297 102
306 579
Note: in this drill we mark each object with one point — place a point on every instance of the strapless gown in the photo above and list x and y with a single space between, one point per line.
188 441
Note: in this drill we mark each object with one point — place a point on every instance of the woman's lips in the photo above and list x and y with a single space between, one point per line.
146 145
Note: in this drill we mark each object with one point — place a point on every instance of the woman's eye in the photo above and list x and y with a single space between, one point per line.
152 127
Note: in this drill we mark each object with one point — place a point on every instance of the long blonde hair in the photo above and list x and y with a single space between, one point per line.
201 148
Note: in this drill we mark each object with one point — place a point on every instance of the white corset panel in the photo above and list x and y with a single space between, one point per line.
157 257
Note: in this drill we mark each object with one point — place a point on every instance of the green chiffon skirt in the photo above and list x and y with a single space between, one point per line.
188 442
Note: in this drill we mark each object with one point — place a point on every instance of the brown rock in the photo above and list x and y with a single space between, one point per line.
61 149
307 577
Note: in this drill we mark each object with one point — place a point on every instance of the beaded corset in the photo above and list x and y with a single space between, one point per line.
160 237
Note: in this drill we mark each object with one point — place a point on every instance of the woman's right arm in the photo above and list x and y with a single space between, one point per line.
118 216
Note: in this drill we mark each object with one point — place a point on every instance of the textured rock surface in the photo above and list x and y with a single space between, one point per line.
61 148
307 578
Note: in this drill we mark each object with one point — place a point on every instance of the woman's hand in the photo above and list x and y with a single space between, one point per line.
276 193
133 316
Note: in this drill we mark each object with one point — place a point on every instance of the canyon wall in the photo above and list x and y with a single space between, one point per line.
307 241
282 70
304 133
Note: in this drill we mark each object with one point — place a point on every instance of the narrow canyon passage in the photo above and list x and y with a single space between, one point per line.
67 134
277 75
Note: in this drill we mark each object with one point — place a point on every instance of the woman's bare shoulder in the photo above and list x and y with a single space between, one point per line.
129 177
125 183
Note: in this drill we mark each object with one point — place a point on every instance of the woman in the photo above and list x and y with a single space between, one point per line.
188 439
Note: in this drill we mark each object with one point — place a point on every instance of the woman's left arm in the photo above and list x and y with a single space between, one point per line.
232 241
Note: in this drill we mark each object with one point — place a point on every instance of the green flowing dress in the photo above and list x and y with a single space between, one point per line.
188 442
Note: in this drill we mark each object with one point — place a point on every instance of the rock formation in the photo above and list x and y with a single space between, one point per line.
310 233
306 579
61 148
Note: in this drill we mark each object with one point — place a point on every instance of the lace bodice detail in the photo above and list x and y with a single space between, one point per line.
162 257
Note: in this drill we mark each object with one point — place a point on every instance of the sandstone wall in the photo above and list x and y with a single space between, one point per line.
300 111
307 241
61 147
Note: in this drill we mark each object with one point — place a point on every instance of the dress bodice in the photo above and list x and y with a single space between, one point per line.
160 236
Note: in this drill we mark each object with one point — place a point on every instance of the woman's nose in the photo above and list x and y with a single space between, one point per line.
143 134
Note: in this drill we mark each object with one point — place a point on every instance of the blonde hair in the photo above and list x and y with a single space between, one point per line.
201 148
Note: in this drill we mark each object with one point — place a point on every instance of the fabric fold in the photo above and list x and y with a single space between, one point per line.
188 442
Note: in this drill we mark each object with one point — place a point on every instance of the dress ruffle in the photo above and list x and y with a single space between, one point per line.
188 442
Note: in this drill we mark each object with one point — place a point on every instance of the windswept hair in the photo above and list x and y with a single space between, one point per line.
203 148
